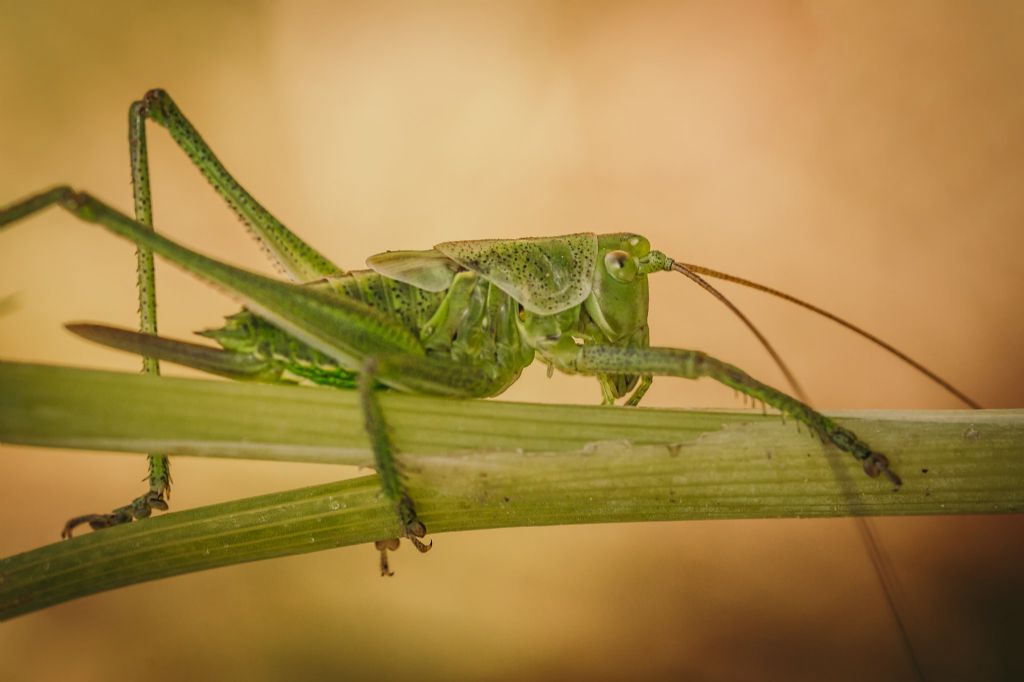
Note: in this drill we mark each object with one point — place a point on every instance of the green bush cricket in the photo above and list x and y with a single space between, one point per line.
462 319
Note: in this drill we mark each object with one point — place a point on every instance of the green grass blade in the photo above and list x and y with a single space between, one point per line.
471 464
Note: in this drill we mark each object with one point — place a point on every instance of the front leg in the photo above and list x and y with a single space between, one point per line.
690 364
388 470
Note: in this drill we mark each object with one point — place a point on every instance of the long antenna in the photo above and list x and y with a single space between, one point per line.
890 585
689 271
884 571
835 318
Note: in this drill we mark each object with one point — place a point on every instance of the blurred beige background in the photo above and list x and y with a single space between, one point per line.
869 157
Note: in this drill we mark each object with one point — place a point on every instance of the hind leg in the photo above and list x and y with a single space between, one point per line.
295 257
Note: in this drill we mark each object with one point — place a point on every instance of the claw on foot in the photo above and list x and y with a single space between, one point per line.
385 545
414 530
877 463
140 508
96 521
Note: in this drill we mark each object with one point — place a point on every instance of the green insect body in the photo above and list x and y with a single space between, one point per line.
473 319
462 319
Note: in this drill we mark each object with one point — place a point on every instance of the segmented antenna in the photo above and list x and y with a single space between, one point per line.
692 270
689 271
883 569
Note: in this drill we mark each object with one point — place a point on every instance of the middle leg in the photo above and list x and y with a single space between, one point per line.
388 470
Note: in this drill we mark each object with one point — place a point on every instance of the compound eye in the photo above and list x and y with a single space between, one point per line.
620 265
